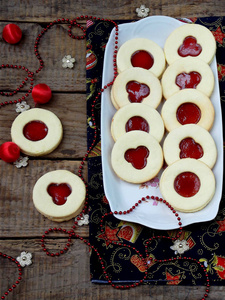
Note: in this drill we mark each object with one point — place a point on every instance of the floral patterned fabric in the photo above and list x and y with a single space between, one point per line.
205 240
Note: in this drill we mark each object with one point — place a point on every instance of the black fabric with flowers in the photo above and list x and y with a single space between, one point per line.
205 240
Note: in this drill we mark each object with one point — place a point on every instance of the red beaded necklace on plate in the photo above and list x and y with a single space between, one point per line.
71 233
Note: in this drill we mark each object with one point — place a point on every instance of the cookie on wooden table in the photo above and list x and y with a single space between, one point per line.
59 195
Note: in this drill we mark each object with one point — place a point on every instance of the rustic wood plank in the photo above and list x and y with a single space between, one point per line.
18 216
71 110
53 46
68 277
37 12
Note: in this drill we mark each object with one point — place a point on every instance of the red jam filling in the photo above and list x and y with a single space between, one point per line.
137 91
190 149
137 157
188 113
190 47
188 80
187 184
59 192
137 123
142 59
35 131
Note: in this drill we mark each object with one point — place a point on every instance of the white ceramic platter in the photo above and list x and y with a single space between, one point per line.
122 195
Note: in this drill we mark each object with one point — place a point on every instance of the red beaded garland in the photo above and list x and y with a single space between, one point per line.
12 33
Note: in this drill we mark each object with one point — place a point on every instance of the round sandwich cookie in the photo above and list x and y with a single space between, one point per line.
190 141
37 131
185 73
142 53
59 195
136 85
188 106
188 185
136 157
137 116
192 40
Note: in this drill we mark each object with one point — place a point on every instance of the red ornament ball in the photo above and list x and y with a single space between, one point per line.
41 93
9 152
12 34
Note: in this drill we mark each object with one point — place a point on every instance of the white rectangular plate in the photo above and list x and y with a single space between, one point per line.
122 195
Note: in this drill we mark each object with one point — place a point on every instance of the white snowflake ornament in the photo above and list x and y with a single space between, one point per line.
24 259
84 220
180 246
22 106
21 162
142 12
68 61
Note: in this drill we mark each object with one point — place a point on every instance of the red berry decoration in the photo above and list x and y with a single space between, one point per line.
12 34
9 152
41 93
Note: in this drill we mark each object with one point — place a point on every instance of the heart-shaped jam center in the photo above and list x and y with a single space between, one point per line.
190 149
142 59
137 123
35 131
59 192
187 184
137 91
188 113
190 47
188 80
137 157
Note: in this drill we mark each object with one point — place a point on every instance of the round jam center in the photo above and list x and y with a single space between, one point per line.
137 157
35 131
190 149
142 59
188 80
188 113
190 47
137 123
137 91
59 192
187 184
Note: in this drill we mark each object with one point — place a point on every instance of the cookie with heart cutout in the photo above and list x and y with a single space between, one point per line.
137 116
136 157
59 195
141 53
185 73
188 185
37 131
136 85
188 106
190 141
192 40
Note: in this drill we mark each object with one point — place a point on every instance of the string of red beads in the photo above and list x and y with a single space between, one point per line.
14 285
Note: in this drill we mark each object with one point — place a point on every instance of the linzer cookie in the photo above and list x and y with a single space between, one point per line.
190 141
190 40
137 116
188 185
188 106
136 85
186 73
142 53
37 131
136 157
59 195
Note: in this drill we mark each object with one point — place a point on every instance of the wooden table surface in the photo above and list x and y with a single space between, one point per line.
21 226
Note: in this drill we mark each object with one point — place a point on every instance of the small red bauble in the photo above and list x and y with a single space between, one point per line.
12 34
9 152
41 93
